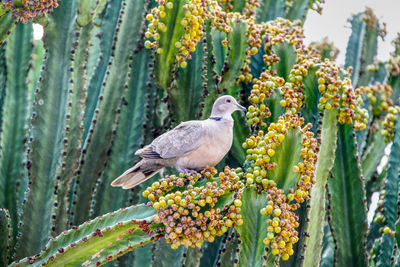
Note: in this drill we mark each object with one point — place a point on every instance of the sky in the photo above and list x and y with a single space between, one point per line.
333 23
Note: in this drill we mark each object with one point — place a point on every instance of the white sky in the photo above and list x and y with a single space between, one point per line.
333 23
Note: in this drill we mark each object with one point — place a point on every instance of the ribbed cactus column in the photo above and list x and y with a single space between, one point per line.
14 120
47 131
98 143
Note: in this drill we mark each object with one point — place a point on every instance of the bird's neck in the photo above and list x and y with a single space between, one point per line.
223 117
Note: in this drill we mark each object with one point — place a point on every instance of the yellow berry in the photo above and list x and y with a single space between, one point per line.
149 17
237 202
277 212
285 256
296 169
271 152
270 235
178 44
147 44
386 230
268 209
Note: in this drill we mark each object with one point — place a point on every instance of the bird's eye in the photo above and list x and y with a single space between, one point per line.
228 101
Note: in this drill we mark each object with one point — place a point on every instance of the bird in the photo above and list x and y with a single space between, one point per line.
190 146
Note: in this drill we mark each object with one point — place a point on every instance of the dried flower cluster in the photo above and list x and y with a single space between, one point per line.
373 23
29 9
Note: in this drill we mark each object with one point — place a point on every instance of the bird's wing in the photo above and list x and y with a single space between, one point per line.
184 138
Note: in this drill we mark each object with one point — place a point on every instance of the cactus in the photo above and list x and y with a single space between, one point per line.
110 76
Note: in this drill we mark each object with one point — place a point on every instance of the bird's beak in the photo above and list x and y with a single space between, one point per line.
241 107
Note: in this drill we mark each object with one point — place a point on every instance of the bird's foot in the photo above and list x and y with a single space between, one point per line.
187 171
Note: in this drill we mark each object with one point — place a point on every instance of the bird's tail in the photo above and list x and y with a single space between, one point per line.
139 173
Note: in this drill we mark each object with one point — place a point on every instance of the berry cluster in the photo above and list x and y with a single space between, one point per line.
292 91
191 214
326 48
339 94
195 13
282 221
393 65
29 9
389 123
192 23
379 96
280 31
254 44
262 88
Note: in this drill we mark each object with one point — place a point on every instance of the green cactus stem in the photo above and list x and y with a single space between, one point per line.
6 234
326 157
128 138
391 199
347 194
100 240
15 115
47 133
96 150
7 24
165 58
355 46
253 230
270 10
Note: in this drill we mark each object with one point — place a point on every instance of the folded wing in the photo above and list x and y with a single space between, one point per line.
183 139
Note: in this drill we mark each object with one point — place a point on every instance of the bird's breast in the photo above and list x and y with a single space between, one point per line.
216 144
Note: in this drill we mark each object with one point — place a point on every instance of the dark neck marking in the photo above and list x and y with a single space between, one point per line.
216 118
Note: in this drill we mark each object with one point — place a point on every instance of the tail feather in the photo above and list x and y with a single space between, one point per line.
136 175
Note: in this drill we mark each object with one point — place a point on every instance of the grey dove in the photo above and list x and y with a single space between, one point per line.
192 145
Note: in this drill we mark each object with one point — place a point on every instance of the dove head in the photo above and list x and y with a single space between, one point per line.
225 106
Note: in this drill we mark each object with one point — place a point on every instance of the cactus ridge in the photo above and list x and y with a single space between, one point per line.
73 128
114 226
15 116
92 163
47 125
